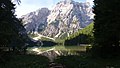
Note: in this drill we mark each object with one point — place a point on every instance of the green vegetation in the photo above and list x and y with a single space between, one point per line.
32 35
63 36
105 32
26 61
48 43
84 36
60 41
84 61
107 28
45 39
11 29
87 31
12 33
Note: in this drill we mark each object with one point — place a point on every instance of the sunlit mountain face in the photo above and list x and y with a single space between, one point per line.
66 17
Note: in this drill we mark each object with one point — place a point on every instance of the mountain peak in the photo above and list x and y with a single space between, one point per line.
68 0
65 18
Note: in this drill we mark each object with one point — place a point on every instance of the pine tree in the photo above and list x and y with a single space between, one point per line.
12 33
107 27
7 22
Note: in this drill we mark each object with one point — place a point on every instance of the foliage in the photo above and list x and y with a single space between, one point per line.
26 61
74 61
12 33
32 35
11 30
45 39
48 43
83 36
107 27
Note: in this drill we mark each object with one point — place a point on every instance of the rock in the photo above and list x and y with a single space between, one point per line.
67 17
35 21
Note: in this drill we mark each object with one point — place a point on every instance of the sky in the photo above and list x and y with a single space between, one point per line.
27 6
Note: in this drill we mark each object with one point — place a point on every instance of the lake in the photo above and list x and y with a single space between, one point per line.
35 50
57 50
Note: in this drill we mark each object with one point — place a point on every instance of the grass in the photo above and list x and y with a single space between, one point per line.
26 61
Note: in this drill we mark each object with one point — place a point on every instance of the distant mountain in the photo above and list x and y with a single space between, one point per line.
67 17
35 21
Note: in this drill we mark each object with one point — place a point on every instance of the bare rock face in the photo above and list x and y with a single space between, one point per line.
66 18
36 21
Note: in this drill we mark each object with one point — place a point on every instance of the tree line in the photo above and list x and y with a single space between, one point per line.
13 36
104 32
83 36
106 27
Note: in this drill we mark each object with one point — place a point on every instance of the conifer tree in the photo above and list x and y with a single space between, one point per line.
12 33
107 27
8 26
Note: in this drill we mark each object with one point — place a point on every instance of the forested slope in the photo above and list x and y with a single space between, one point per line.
84 36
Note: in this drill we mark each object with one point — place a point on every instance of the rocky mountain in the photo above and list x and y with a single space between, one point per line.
64 19
35 21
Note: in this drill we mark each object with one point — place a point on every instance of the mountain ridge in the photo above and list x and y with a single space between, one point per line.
67 17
